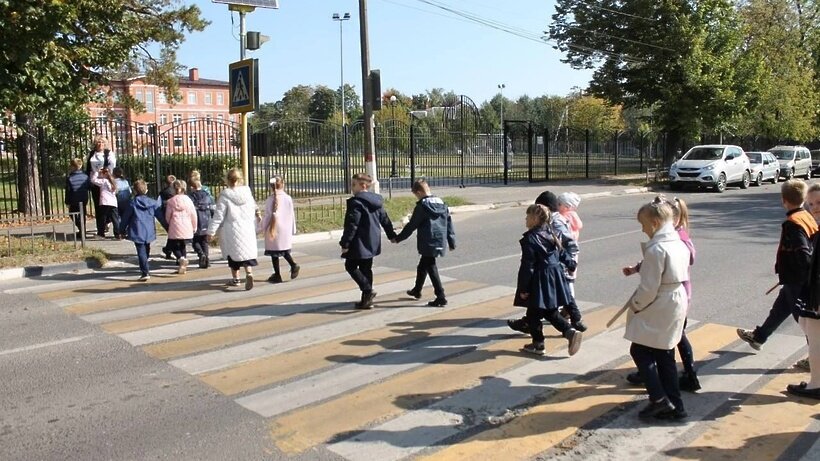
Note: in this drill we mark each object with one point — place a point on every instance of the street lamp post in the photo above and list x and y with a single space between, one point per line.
501 87
341 19
393 99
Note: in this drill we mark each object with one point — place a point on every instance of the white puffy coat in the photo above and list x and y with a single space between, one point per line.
235 222
657 309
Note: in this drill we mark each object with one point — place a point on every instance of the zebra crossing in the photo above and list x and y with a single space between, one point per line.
407 381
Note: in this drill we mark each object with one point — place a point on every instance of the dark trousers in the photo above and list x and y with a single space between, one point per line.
275 262
427 266
361 271
534 316
201 245
783 307
143 250
95 198
79 219
177 247
685 350
106 214
658 370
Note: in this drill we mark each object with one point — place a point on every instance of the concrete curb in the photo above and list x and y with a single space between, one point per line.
36 271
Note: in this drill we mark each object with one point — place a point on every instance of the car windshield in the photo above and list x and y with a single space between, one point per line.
815 155
783 154
704 153
754 157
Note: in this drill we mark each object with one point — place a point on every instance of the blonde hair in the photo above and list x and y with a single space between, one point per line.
543 220
195 184
107 173
793 191
100 139
420 185
76 164
179 186
140 187
194 175
813 188
276 183
658 211
362 179
234 177
681 212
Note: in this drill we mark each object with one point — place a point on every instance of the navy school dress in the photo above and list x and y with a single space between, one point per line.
541 273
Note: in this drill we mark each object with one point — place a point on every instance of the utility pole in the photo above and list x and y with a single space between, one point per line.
243 116
367 99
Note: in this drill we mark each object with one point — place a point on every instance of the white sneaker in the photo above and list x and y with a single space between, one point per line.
183 266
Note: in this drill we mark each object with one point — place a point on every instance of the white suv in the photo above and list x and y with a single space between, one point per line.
712 165
794 161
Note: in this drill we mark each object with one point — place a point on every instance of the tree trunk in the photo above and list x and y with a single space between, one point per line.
29 195
671 147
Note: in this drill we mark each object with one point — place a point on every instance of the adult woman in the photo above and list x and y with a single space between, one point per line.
98 158
235 222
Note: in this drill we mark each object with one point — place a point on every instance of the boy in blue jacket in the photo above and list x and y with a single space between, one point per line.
138 225
362 239
435 233
76 194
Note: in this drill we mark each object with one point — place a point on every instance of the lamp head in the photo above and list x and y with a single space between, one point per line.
336 16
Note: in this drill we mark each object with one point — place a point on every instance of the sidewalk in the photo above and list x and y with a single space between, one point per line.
481 197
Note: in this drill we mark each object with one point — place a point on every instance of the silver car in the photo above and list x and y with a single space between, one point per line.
794 161
765 167
711 165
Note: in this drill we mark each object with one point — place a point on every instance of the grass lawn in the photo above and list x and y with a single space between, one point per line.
21 252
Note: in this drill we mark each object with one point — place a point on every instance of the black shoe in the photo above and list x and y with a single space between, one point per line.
202 262
294 271
519 325
438 302
673 415
367 300
689 382
655 408
534 348
579 325
415 294
635 378
168 254
275 278
207 262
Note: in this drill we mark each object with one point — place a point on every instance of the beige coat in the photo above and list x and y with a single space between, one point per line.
657 309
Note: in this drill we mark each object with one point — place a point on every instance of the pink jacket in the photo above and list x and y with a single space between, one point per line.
107 192
285 222
181 216
575 223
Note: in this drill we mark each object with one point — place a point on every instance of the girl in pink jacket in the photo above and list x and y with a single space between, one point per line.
180 214
279 226
108 201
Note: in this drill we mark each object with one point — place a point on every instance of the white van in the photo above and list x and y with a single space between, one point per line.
794 161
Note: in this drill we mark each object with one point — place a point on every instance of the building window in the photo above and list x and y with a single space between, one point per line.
177 118
138 96
220 117
163 141
192 97
220 99
210 141
149 101
208 98
208 118
192 118
116 96
192 141
161 99
177 141
163 119
220 140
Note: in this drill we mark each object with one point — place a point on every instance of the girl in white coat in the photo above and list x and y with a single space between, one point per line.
235 222
279 226
657 311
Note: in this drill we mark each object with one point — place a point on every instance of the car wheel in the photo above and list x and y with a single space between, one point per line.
759 179
674 186
776 178
721 183
808 175
790 174
746 180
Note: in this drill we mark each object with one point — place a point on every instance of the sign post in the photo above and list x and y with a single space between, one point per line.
243 98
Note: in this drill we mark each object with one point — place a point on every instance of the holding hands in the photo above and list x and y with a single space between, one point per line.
630 270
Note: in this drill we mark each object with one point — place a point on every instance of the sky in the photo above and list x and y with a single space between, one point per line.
416 47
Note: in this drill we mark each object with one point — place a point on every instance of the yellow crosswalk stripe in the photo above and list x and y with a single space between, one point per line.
184 346
302 429
269 370
577 403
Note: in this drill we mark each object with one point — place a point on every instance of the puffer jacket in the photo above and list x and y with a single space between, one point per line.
181 217
362 237
204 204
138 220
76 187
431 218
235 222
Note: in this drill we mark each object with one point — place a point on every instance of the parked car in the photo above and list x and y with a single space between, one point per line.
794 161
765 167
711 165
815 161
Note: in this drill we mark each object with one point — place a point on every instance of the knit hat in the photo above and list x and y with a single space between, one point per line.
570 199
548 199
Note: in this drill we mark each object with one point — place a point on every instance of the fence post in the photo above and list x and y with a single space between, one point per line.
412 152
640 154
44 173
157 155
529 151
506 153
546 154
617 135
461 116
586 151
346 157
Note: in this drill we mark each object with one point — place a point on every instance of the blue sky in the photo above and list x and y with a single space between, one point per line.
416 46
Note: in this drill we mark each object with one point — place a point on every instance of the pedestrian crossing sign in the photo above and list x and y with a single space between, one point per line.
244 86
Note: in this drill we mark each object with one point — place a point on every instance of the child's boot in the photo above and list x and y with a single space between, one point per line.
294 271
275 278
689 382
519 325
534 348
574 338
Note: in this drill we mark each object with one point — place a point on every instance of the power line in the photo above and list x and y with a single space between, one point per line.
603 8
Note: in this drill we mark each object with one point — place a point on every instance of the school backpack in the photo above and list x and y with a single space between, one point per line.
205 207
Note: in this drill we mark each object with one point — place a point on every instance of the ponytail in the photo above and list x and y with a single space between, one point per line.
276 184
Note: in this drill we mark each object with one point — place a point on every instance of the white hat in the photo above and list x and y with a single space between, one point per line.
570 199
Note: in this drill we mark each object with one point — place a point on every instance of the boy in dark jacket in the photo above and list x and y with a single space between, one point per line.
138 225
76 194
164 195
435 233
362 239
204 205
792 263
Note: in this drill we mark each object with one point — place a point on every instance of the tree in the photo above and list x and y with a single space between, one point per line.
594 114
296 103
322 103
55 53
353 105
680 57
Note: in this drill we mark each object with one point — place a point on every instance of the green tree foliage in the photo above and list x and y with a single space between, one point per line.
594 114
54 54
680 57
322 103
353 105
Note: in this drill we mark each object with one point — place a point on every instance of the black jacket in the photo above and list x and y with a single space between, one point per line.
205 207
362 237
795 249
435 228
76 187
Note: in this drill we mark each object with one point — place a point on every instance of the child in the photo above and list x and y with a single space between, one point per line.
657 310
792 262
361 240
138 225
195 176
204 204
542 287
123 195
432 219
279 226
567 205
108 200
181 217
76 194
688 381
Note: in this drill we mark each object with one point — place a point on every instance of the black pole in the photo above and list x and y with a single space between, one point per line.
346 157
506 154
461 115
529 151
546 154
617 134
586 151
412 151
